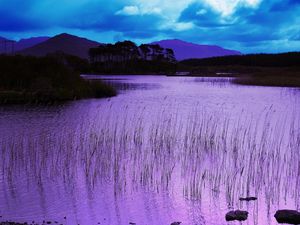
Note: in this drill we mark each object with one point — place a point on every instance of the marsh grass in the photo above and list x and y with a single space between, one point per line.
198 152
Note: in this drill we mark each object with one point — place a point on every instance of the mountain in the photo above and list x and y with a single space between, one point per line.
9 46
66 43
185 50
73 45
29 42
5 45
2 39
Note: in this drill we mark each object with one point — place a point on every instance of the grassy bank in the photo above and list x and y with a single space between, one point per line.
26 79
275 81
254 69
279 77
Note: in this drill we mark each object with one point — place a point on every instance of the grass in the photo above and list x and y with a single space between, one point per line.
275 81
280 77
253 75
259 76
225 156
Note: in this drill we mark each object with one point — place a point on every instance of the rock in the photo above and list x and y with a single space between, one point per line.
12 223
236 215
287 216
175 223
248 199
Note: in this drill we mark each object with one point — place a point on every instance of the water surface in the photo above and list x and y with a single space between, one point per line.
165 149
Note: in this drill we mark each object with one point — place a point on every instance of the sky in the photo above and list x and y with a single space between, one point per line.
250 26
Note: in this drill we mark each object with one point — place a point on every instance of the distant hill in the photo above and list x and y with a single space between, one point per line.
2 39
66 43
29 42
77 46
5 45
13 46
185 50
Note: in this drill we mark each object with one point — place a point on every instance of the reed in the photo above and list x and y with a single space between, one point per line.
198 152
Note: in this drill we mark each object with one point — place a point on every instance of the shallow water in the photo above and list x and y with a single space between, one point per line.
165 149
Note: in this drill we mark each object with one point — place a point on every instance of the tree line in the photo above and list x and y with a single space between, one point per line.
127 57
290 59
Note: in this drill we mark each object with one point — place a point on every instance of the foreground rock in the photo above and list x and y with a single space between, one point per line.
176 223
248 199
236 215
287 216
12 223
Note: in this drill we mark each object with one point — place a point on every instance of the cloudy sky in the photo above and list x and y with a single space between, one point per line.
245 25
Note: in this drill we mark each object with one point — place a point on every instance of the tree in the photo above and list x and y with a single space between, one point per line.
127 57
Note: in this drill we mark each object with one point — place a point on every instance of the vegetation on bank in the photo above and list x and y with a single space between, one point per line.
56 77
280 77
26 79
290 59
254 69
274 81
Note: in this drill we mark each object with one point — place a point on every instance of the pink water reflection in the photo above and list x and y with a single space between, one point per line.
163 150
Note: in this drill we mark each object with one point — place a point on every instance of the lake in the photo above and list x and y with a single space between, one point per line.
165 149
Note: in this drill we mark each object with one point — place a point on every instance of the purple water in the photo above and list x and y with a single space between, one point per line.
165 149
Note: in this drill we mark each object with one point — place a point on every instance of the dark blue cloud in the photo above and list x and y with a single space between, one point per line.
141 34
248 28
285 5
203 16
271 14
20 15
296 37
136 23
271 22
15 16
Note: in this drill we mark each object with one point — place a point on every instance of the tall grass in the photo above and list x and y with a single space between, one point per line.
196 152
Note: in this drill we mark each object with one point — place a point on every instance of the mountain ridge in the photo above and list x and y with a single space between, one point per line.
67 43
188 50
79 46
21 44
24 43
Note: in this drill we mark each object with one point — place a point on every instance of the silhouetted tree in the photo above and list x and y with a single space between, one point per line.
127 57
